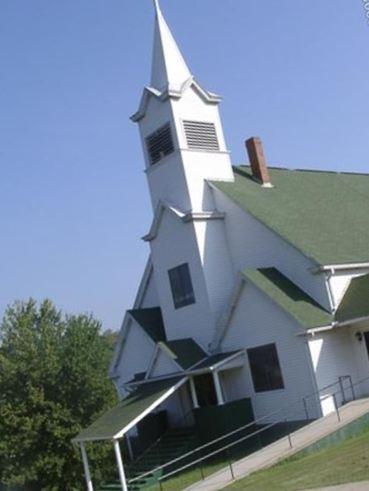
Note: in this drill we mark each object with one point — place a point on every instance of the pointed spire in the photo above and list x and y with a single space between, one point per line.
169 68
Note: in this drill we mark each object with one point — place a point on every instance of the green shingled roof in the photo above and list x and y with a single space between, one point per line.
151 321
355 303
290 297
323 214
186 352
115 420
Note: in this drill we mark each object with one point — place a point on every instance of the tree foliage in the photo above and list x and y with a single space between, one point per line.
53 383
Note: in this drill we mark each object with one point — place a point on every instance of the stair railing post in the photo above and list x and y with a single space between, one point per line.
230 463
305 408
340 380
352 389
121 473
336 408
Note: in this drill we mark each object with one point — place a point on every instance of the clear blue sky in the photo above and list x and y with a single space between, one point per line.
73 195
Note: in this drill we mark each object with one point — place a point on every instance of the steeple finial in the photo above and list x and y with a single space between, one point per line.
169 68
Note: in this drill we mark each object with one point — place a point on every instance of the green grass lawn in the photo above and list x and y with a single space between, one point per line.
344 462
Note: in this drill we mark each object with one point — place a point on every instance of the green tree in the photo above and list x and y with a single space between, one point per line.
53 382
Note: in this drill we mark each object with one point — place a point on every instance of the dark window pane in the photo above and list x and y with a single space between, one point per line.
160 143
181 285
265 368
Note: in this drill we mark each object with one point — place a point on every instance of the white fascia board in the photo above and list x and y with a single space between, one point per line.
161 207
144 284
186 217
119 345
337 325
194 216
153 406
173 92
218 365
339 267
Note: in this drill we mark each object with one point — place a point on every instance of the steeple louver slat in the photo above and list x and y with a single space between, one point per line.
201 135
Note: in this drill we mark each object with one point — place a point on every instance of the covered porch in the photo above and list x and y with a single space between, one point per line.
160 406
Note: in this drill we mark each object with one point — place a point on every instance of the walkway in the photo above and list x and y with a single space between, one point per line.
280 450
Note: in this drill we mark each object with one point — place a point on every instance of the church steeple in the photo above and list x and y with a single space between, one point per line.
169 69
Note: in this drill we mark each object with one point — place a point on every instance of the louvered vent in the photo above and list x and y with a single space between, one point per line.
202 136
160 143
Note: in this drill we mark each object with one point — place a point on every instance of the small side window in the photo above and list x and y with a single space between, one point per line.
160 143
265 368
181 286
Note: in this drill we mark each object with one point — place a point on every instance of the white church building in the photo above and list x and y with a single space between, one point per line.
256 290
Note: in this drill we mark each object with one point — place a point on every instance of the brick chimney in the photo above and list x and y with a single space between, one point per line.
258 163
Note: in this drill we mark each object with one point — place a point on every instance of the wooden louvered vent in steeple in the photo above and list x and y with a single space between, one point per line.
201 135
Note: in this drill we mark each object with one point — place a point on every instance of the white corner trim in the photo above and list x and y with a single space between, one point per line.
150 408
226 317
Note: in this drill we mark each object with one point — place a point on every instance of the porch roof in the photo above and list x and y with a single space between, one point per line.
119 420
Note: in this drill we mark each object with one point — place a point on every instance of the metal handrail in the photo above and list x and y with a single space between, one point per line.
225 447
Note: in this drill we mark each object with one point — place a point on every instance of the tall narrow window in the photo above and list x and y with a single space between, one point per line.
181 286
265 368
160 143
201 135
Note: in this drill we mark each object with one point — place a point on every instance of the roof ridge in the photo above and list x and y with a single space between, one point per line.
321 171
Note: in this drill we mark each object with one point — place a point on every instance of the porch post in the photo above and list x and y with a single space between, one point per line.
86 467
118 456
218 388
129 446
195 401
